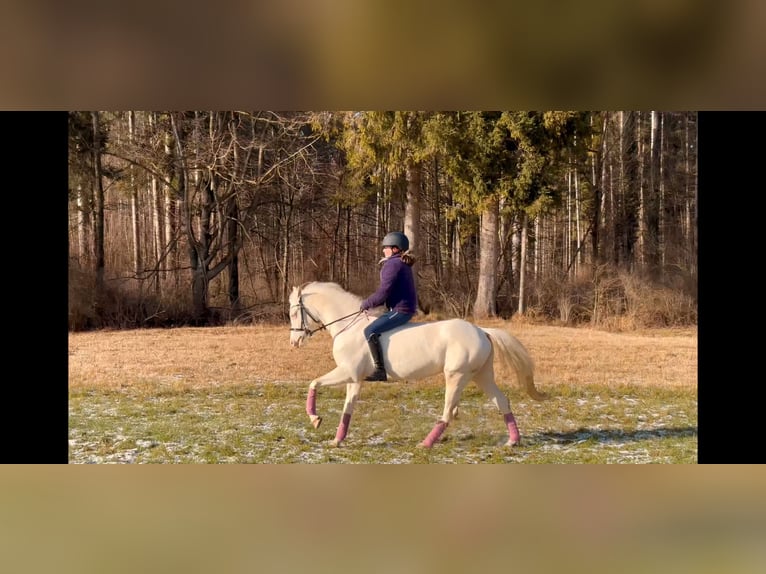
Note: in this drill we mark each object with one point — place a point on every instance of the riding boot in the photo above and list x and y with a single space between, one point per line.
377 358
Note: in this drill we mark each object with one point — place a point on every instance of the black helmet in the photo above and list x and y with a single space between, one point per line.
398 239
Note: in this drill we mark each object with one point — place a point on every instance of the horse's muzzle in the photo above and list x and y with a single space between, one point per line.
297 338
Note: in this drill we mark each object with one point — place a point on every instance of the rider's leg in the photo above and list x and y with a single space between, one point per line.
379 374
372 333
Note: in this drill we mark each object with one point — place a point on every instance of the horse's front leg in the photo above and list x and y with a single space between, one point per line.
352 394
337 376
311 407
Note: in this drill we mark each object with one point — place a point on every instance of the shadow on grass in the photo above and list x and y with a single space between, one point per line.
610 435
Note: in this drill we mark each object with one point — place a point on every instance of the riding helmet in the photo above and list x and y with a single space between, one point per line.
398 239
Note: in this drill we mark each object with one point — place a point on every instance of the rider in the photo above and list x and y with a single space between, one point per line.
396 291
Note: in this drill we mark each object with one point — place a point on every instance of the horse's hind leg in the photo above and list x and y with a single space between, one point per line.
455 383
352 394
485 380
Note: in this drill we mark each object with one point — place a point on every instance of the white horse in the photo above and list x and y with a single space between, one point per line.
457 348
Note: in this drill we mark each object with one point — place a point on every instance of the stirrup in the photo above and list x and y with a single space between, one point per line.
377 375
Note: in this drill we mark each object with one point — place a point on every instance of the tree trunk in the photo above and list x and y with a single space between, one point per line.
168 215
156 235
134 208
83 225
412 213
347 250
652 227
437 232
642 197
196 249
568 227
232 231
690 196
523 262
486 289
578 230
155 213
98 230
231 209
287 218
598 187
627 207
200 256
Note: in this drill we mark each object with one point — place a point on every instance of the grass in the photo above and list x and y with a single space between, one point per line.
237 395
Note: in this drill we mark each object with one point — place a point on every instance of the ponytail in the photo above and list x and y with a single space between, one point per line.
408 258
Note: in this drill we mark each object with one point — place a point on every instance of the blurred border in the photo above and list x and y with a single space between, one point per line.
382 519
658 54
672 54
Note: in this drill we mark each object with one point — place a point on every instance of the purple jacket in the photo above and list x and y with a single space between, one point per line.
397 287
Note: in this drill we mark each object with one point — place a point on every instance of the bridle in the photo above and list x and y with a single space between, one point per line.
304 325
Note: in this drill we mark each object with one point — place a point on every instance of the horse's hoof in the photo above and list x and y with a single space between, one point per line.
335 442
513 443
316 421
424 445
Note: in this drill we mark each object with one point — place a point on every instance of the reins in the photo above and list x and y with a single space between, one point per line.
304 311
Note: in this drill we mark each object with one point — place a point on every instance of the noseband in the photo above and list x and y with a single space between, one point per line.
304 326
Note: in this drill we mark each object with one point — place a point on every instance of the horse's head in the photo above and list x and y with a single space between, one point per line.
303 323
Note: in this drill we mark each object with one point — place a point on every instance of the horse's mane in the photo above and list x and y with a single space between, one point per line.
333 290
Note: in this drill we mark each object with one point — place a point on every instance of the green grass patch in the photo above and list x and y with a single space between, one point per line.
266 423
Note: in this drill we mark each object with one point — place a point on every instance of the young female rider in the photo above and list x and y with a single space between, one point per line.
396 291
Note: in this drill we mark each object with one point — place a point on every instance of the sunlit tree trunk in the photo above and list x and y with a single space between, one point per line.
523 262
412 206
134 208
168 215
83 224
412 211
156 233
537 267
486 289
156 207
438 221
505 255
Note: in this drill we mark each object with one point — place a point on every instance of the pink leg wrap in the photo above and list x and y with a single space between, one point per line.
311 402
343 427
513 430
434 435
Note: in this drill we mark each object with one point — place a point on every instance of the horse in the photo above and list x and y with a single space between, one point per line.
464 352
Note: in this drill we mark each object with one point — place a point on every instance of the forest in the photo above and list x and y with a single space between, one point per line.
210 217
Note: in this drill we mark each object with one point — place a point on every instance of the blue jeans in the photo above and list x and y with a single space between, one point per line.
386 322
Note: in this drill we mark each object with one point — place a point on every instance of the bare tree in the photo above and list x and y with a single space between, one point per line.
98 188
137 262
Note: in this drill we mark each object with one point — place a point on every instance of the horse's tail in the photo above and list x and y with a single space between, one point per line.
517 357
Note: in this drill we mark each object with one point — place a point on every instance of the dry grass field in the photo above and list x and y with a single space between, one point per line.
193 357
237 394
